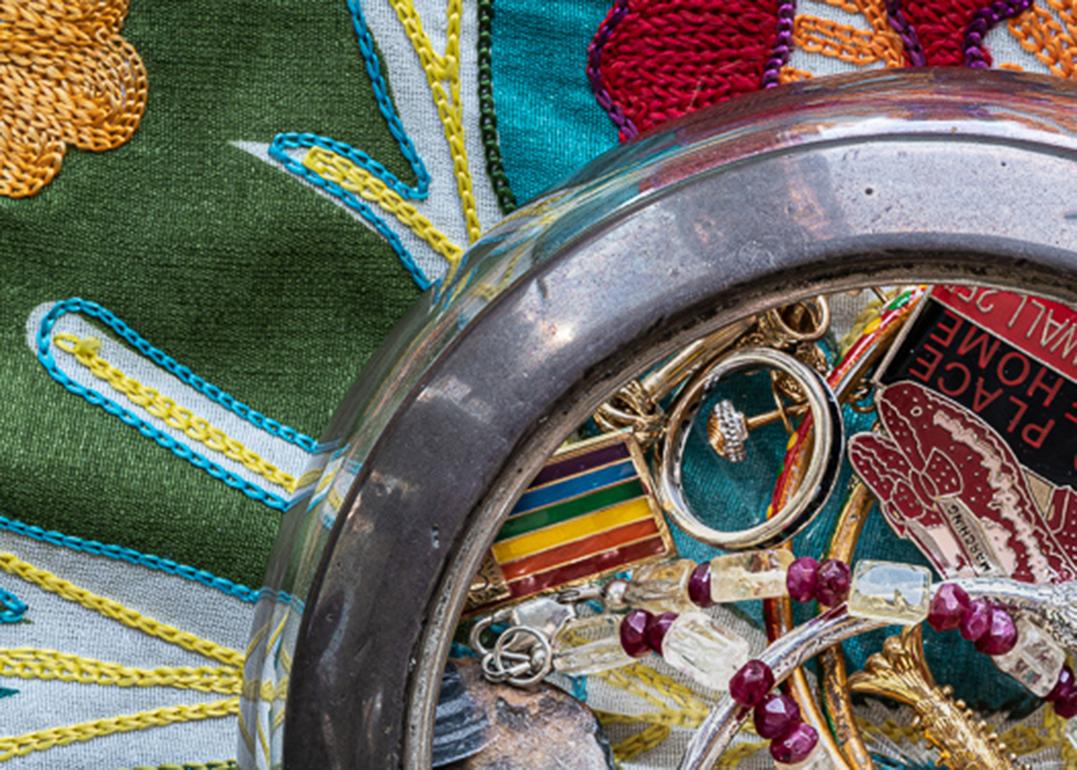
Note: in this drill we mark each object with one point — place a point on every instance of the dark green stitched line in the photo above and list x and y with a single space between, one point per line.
506 201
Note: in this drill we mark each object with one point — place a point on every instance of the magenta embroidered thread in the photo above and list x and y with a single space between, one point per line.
913 50
783 44
625 126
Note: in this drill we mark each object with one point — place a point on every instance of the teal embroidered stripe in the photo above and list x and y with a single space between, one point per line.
185 375
13 607
148 561
293 140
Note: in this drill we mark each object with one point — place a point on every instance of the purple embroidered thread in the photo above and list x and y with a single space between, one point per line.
982 22
783 44
901 25
624 123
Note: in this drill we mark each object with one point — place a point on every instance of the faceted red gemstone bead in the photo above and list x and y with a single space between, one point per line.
1063 685
1001 636
1066 706
802 578
634 633
775 715
834 581
656 630
699 585
796 745
948 607
977 619
752 683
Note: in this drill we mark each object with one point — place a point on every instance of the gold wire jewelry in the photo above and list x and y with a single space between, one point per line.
964 741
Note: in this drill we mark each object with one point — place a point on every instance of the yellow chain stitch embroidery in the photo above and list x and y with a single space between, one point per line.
109 608
647 739
66 77
86 352
450 110
27 663
41 740
245 735
51 665
338 169
1038 32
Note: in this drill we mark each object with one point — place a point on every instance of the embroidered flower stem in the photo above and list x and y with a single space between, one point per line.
109 608
352 178
442 69
87 352
495 169
41 740
51 665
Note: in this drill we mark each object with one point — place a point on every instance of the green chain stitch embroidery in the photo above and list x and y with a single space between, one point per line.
506 200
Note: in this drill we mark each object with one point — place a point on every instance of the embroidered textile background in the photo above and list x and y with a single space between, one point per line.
212 213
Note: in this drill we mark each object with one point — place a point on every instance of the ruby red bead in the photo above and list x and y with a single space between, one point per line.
948 607
1063 686
796 745
775 715
1001 636
1066 706
657 628
751 683
977 619
634 633
802 578
699 585
834 582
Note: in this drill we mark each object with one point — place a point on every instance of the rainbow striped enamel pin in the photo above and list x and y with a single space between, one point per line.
590 511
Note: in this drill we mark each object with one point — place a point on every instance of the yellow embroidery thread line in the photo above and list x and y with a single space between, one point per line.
440 69
41 740
109 608
87 352
51 665
338 169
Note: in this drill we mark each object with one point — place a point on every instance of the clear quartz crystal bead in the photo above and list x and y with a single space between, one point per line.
589 645
890 592
1036 659
661 588
697 646
543 614
749 575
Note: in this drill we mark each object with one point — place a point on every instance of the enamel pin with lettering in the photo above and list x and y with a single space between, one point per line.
589 512
975 460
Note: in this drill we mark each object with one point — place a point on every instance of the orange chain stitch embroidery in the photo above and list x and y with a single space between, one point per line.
66 77
1039 33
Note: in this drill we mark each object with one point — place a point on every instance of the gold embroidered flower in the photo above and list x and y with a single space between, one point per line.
66 77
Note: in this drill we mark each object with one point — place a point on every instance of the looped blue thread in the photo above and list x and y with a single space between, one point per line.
185 375
13 607
285 141
139 559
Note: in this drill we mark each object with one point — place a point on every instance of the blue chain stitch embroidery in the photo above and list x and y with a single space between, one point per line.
148 561
185 375
292 140
13 607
